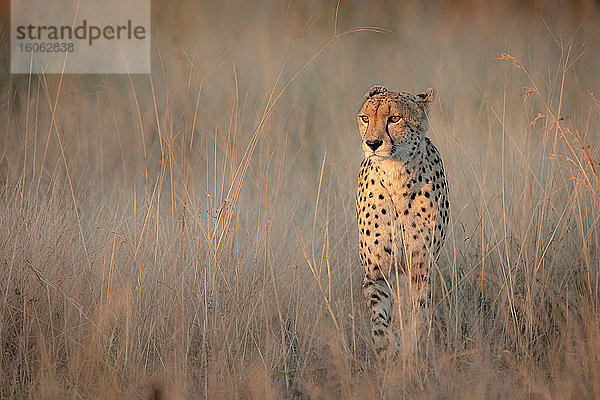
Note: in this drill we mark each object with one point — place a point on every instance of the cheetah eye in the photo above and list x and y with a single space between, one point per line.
393 119
364 118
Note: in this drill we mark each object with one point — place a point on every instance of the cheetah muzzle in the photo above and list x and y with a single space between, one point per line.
402 210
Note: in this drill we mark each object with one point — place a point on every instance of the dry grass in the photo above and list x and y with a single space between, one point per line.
191 234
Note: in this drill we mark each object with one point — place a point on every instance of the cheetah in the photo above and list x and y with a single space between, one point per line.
402 211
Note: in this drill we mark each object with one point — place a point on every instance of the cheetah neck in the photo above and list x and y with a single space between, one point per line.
399 170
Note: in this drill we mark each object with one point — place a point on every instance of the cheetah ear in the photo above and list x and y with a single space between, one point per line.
425 98
375 90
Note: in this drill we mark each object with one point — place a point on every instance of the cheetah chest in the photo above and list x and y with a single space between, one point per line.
402 214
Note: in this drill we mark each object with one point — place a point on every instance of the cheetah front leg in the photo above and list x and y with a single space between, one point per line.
380 301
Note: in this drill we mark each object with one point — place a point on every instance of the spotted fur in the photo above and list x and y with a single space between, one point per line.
402 210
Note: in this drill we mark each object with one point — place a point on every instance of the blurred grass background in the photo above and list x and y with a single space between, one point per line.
191 233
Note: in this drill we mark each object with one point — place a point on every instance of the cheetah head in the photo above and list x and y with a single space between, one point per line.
393 124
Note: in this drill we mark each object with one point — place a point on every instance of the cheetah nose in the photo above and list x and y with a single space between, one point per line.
374 144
